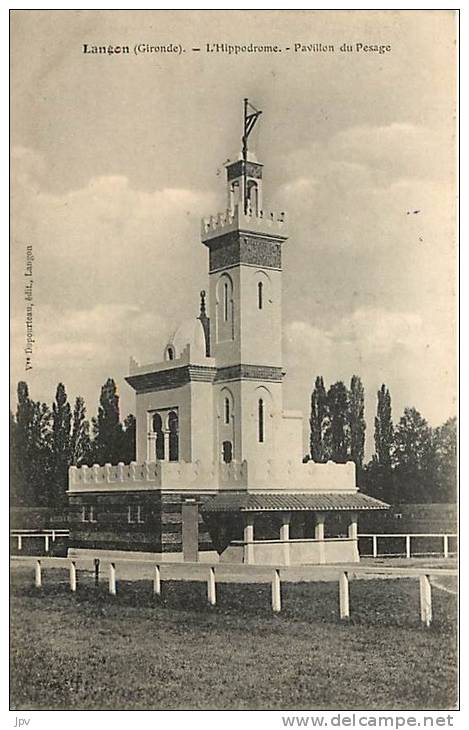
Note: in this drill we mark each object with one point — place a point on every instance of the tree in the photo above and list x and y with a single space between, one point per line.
80 441
128 439
61 456
357 420
413 458
32 450
445 462
383 428
337 431
318 421
107 427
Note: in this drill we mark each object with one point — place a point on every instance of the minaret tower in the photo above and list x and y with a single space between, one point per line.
245 306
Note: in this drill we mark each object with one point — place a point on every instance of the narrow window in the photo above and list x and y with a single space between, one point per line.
170 353
259 295
225 301
260 421
227 410
135 514
87 514
173 427
227 452
158 429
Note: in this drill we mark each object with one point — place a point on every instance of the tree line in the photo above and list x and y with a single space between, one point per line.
45 442
412 462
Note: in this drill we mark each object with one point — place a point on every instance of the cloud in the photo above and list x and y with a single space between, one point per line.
398 348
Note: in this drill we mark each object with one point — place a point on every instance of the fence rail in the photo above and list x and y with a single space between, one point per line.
46 535
265 574
445 537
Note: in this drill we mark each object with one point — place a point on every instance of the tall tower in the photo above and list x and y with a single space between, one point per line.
245 293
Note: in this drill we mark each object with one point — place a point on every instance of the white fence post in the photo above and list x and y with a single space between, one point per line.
20 544
73 576
445 546
407 546
157 581
425 600
46 543
112 579
53 535
276 592
38 575
344 603
375 546
211 588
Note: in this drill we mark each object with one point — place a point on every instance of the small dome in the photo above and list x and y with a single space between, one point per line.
190 332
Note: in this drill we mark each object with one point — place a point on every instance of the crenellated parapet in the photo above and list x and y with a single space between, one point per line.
269 475
263 222
96 477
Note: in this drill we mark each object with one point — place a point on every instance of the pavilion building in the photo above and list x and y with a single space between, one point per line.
219 462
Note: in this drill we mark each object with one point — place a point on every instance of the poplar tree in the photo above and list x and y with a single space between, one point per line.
107 428
357 420
338 427
80 441
318 421
61 456
383 428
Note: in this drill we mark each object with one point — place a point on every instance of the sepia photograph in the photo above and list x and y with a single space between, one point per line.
233 363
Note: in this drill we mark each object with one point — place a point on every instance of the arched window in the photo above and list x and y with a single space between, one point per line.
224 304
170 353
227 410
260 421
225 301
252 196
227 452
157 424
173 427
260 300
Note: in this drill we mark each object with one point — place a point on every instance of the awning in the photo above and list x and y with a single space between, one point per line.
324 502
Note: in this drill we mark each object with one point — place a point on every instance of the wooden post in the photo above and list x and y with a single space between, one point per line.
425 600
20 544
96 571
375 546
407 546
320 518
157 581
344 604
276 592
73 576
285 537
445 546
53 535
38 575
112 579
46 543
248 538
211 588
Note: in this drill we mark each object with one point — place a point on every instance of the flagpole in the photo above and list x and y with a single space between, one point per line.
245 156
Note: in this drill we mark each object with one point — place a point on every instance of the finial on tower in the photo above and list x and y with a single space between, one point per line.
202 302
205 322
251 115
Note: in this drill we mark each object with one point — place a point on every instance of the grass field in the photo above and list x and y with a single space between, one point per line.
94 651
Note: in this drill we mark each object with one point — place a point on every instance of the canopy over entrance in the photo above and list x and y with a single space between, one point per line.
324 502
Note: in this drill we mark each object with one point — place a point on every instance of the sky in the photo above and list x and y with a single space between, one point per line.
115 158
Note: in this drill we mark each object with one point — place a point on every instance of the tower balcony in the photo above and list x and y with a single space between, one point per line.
267 223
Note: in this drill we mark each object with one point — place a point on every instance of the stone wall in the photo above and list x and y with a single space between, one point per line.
160 530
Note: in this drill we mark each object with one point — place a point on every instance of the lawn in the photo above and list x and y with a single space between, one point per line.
133 651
